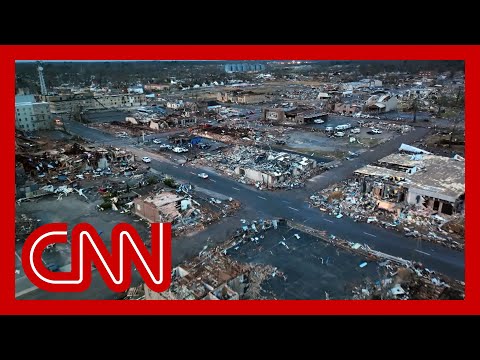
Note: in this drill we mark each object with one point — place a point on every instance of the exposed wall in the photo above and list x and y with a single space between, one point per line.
256 175
146 210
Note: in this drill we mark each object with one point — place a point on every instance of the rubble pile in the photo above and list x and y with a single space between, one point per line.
262 168
24 226
417 221
63 169
387 126
227 134
213 275
187 210
123 129
415 283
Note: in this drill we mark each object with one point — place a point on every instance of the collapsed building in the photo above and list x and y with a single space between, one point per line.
292 115
382 103
436 182
163 207
265 169
65 165
419 194
240 97
227 134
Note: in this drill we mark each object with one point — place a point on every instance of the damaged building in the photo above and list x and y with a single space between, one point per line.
292 115
382 103
240 97
436 182
162 207
64 165
66 103
265 169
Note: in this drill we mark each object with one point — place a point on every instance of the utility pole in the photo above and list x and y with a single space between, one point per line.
43 87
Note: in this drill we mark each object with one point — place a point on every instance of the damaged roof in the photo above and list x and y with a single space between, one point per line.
442 176
438 176
381 172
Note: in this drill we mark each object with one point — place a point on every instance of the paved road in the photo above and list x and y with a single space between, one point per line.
293 205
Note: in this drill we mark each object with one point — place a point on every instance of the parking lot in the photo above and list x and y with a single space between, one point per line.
72 210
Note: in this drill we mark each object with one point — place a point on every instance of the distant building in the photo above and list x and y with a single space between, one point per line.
156 87
135 89
240 97
244 67
175 104
65 103
347 108
31 115
291 116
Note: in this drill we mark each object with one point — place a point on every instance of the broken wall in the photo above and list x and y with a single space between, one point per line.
146 210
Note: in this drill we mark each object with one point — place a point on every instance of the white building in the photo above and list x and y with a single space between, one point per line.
31 115
175 104
138 89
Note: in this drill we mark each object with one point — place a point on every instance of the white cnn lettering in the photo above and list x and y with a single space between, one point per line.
124 236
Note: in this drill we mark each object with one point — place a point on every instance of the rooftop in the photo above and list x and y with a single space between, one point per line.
381 172
441 175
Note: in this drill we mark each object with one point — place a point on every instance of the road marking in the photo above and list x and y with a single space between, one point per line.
262 197
26 291
293 208
330 221
286 202
19 258
235 188
192 173
175 166
212 180
422 252
369 234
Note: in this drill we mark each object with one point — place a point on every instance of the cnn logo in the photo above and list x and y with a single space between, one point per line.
87 247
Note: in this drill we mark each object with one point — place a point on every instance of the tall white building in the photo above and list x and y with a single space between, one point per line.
31 115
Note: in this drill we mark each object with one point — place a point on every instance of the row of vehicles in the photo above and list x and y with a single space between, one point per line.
340 130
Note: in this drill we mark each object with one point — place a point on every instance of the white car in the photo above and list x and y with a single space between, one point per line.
203 175
146 159
355 131
339 133
318 121
156 141
376 131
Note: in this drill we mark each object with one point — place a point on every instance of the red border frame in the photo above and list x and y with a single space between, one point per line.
9 54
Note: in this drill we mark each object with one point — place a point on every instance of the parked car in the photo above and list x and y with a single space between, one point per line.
146 159
329 129
339 133
157 141
165 146
355 131
203 175
374 131
280 142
